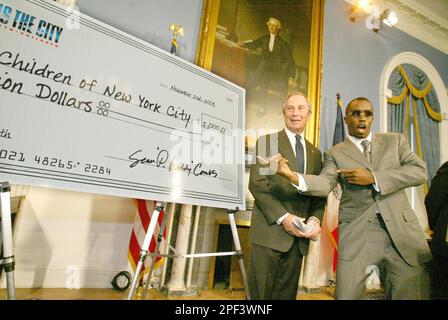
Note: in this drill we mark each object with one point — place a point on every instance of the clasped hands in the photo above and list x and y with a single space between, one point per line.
357 176
292 230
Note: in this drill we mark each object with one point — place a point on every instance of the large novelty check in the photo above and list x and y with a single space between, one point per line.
89 108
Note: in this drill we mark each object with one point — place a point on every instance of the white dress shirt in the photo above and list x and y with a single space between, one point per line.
292 140
302 187
271 42
357 141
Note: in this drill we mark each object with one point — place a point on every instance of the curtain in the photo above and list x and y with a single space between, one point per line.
414 101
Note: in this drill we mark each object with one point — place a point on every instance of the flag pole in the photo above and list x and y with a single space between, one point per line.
335 195
177 30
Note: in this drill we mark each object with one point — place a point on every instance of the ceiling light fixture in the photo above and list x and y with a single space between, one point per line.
389 17
374 16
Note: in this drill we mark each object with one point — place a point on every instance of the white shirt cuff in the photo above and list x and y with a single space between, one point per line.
302 187
375 185
279 220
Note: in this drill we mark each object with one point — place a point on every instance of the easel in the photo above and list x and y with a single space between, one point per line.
7 261
144 251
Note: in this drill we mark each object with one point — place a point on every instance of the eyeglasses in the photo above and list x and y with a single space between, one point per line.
357 114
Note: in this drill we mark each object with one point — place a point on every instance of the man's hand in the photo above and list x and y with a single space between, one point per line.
359 176
283 168
290 228
316 230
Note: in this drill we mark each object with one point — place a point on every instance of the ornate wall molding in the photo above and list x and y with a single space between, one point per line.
426 66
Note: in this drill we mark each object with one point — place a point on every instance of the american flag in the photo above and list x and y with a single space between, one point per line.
145 209
332 210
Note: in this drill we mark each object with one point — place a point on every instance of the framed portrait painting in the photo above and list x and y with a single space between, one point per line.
270 48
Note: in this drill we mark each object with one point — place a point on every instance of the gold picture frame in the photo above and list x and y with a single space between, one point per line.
220 51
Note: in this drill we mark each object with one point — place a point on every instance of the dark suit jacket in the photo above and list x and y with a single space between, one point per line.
436 203
395 167
274 195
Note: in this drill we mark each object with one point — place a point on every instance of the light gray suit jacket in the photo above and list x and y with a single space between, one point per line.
395 167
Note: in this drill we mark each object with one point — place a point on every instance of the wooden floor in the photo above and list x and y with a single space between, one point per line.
153 294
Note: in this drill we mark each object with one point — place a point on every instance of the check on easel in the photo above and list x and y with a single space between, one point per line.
94 109
86 107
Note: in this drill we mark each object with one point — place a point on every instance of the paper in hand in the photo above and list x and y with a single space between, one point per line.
301 226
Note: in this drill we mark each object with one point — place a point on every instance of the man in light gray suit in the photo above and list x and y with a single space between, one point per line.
377 226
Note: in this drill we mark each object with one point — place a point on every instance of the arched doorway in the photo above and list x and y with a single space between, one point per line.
423 66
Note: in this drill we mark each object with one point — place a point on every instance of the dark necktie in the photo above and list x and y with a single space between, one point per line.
365 144
299 153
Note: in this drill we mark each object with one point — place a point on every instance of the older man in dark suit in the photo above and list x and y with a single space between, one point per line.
278 247
436 203
377 226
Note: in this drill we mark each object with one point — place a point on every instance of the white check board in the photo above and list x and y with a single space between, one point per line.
86 107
